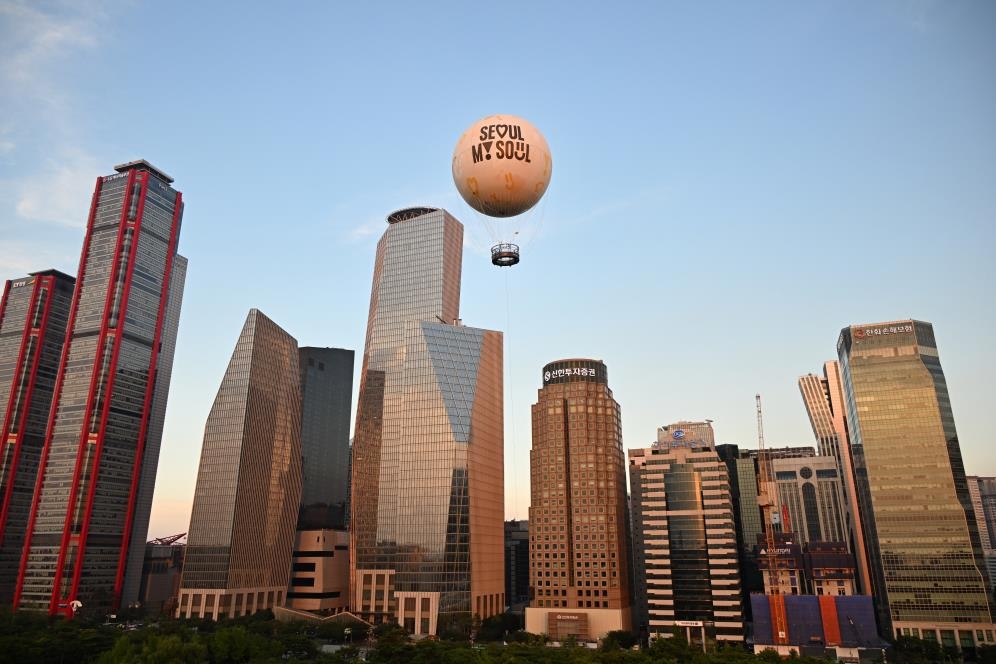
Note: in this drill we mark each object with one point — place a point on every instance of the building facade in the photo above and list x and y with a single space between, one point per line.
326 400
248 490
684 536
427 506
811 499
90 514
319 579
161 571
579 574
982 491
924 550
34 312
517 564
823 397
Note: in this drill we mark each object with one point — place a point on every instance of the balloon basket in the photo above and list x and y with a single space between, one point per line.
505 255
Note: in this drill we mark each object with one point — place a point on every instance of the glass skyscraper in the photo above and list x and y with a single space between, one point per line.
248 490
326 398
33 316
427 466
579 572
924 549
90 514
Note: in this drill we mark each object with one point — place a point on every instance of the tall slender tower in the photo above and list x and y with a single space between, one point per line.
428 483
33 315
824 401
89 515
924 550
238 556
578 542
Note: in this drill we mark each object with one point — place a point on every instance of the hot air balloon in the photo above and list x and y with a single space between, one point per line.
502 167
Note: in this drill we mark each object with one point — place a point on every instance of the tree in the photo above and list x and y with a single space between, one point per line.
619 639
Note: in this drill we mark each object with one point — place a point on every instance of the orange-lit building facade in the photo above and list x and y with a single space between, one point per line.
578 546
925 555
427 505
242 524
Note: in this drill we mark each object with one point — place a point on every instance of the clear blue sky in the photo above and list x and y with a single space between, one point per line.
733 183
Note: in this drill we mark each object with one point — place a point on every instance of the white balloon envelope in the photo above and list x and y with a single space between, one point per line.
502 165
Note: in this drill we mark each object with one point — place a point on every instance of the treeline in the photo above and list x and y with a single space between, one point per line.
27 637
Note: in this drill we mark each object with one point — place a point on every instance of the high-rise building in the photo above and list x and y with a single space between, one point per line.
326 398
517 564
90 513
924 550
982 491
684 537
579 546
810 498
248 489
428 480
33 315
823 397
741 467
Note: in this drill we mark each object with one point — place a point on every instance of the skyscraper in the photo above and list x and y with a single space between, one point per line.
90 514
33 315
923 546
982 491
683 535
517 564
428 482
579 546
248 488
824 401
326 397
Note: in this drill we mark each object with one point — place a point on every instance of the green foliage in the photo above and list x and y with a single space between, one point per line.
619 639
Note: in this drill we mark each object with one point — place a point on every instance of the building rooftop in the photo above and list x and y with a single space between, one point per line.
142 164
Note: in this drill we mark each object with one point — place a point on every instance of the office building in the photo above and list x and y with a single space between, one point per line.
326 399
34 311
823 397
517 564
90 514
924 550
242 524
319 580
982 491
427 507
684 536
161 571
810 498
579 573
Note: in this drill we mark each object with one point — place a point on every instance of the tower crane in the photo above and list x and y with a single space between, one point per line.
166 541
767 500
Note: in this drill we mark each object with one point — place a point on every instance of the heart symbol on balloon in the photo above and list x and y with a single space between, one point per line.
501 130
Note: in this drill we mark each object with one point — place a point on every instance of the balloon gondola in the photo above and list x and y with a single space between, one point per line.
505 254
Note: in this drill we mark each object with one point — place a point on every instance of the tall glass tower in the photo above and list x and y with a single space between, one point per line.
924 550
427 502
326 397
34 311
90 514
238 556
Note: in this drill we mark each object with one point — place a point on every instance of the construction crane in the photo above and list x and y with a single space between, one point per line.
767 500
166 541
